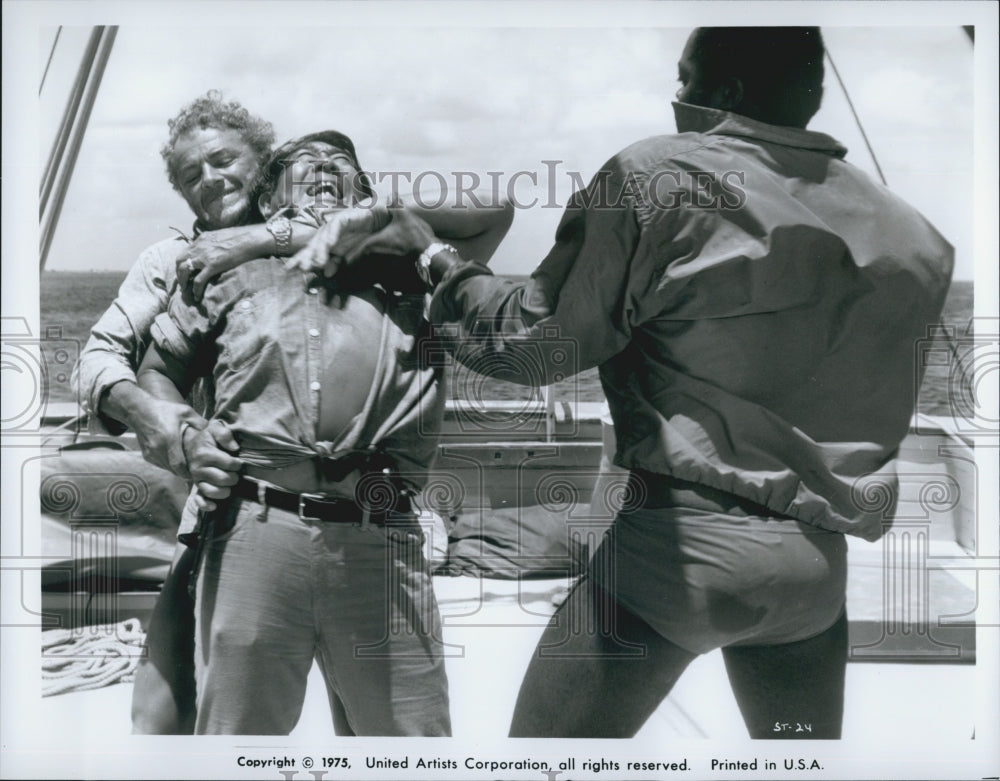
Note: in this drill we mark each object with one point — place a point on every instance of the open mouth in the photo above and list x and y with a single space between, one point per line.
222 199
324 188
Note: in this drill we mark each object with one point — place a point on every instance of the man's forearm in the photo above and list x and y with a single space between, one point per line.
475 229
230 247
214 252
134 406
157 422
257 241
126 402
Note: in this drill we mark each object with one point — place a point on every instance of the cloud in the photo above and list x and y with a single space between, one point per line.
477 99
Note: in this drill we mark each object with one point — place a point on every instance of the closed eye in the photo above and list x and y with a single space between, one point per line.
223 161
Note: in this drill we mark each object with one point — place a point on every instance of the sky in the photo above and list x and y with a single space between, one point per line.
440 98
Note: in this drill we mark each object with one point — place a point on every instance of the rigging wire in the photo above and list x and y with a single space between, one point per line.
51 53
857 119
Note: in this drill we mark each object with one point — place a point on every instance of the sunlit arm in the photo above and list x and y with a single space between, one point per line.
212 252
475 228
204 454
163 377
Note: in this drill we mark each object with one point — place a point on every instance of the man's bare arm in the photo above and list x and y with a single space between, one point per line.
204 451
157 423
213 252
349 234
475 229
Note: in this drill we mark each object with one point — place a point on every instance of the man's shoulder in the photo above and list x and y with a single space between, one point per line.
156 265
161 257
657 150
169 247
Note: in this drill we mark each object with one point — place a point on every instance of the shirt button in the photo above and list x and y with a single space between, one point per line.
314 385
311 291
314 332
245 304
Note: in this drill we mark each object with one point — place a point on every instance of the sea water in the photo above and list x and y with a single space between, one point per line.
71 302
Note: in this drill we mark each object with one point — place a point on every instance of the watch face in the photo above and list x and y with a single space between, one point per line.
279 224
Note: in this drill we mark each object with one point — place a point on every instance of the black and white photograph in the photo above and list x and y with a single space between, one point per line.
489 390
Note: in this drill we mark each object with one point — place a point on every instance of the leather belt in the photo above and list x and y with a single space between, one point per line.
653 490
330 509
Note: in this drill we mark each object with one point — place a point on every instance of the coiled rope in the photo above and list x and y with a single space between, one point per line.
90 657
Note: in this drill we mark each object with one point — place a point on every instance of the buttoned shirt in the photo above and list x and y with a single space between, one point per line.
754 303
258 334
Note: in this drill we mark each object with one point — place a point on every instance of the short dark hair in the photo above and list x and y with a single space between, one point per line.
210 110
780 68
334 138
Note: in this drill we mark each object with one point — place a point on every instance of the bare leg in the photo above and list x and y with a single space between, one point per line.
598 671
796 684
163 697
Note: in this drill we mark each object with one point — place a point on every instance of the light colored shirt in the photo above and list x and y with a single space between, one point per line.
259 334
754 304
119 340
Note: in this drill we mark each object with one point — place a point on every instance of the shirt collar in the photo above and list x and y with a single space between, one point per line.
195 231
711 121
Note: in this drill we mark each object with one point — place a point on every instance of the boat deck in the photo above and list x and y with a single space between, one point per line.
911 603
491 628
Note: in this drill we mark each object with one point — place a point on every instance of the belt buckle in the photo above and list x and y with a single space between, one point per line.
302 504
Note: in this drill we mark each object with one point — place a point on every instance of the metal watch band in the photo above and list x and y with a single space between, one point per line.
280 227
424 261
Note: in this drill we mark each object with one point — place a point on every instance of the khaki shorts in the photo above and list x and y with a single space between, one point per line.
706 580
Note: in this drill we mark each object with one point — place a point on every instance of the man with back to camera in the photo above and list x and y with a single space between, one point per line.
317 553
214 155
752 302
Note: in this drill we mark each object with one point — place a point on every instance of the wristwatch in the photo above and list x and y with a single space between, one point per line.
424 261
280 227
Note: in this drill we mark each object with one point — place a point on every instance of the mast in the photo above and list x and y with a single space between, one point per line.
66 147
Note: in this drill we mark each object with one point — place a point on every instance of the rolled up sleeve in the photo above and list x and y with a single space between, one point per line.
119 339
